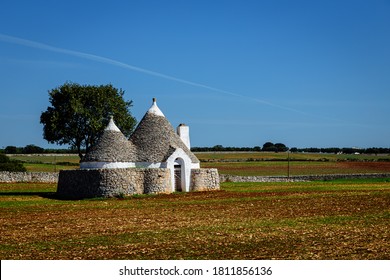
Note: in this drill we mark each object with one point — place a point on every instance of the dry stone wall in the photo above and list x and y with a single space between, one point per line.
203 179
28 177
199 177
233 178
86 183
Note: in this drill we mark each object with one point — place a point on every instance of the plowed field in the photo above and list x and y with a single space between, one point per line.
310 220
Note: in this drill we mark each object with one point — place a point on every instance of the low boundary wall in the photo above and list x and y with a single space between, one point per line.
28 177
302 178
52 177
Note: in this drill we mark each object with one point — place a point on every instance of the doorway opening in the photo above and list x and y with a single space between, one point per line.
177 174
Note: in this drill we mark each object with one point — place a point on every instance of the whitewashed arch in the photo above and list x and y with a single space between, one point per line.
186 166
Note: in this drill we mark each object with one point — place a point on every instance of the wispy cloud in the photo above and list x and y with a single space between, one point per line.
43 63
102 59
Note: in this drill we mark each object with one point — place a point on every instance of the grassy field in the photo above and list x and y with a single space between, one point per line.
277 164
47 162
279 168
247 163
342 219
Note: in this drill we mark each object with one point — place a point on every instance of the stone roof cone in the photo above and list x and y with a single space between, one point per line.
155 138
112 146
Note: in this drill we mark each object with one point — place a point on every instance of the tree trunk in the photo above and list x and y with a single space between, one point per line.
79 151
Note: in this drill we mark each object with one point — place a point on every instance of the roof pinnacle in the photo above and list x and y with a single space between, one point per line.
154 109
111 125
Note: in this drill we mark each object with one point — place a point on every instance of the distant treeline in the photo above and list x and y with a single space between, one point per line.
33 149
280 148
372 150
267 147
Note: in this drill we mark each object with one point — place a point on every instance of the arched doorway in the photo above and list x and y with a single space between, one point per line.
179 164
178 176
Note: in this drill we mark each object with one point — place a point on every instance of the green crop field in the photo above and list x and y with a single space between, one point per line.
47 162
341 219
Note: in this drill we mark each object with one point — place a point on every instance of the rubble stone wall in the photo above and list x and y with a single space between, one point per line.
28 177
203 179
233 178
52 177
86 183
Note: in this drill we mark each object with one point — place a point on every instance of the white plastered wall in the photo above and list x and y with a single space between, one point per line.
186 166
103 164
178 156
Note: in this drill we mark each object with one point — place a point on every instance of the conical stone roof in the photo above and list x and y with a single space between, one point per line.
155 138
112 146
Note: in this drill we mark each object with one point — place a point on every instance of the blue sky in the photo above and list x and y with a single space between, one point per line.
239 73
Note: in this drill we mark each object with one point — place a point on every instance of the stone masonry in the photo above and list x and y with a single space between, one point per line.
28 177
89 183
299 178
52 177
203 179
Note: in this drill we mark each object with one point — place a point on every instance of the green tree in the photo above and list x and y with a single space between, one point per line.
218 148
79 113
11 150
9 165
32 149
269 147
280 147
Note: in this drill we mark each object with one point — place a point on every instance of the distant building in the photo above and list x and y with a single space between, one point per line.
155 159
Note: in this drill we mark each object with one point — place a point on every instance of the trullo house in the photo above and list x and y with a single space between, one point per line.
156 159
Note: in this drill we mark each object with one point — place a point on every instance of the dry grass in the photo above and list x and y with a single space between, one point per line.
317 220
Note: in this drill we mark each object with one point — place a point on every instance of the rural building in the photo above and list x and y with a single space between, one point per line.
155 159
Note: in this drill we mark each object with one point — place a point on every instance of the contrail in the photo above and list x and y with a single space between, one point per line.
102 59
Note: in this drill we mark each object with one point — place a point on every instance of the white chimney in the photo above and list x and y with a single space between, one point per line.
184 132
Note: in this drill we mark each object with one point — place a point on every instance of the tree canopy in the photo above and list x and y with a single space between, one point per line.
271 147
79 113
9 165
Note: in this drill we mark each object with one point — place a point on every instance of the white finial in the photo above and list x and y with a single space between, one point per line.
155 110
111 125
